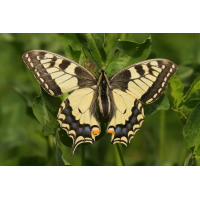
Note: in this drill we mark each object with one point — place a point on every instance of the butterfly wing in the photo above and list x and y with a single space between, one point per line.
142 82
57 74
78 116
145 80
126 116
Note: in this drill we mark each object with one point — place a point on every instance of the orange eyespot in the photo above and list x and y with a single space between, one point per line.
111 130
95 131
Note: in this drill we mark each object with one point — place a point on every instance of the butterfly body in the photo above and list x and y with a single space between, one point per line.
104 99
118 97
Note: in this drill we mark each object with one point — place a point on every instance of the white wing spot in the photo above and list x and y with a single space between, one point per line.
171 70
48 55
165 78
154 63
159 90
65 126
42 80
61 116
31 64
130 133
173 66
46 86
45 61
163 66
124 139
46 65
163 84
29 60
155 95
157 69
51 70
52 93
26 55
38 57
58 62
149 100
168 74
38 74
155 73
139 117
150 77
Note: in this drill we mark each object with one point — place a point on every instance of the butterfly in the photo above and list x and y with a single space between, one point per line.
120 97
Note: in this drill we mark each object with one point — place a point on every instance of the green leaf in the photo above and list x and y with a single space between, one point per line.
72 54
26 161
13 117
94 42
183 113
161 103
195 85
65 139
59 154
128 54
176 90
193 158
45 108
197 156
191 130
32 161
188 159
197 160
193 99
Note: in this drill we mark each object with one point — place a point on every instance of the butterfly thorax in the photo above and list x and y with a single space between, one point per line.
104 99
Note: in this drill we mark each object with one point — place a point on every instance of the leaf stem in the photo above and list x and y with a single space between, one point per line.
182 157
83 155
50 149
120 154
162 133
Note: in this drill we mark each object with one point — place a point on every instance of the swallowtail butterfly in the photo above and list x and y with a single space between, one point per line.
119 96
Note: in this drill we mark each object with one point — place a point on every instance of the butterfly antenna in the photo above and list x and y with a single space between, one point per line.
94 59
112 58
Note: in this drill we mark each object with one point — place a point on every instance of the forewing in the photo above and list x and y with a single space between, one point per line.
126 116
57 74
145 80
78 116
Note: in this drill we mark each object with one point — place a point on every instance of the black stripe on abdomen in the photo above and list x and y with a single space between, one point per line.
105 105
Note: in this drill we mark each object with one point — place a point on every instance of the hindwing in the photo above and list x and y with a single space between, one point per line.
126 116
57 74
78 116
145 80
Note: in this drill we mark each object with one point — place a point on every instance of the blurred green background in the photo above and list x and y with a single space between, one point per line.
21 139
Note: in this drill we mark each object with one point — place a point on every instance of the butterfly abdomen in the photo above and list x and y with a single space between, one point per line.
104 100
